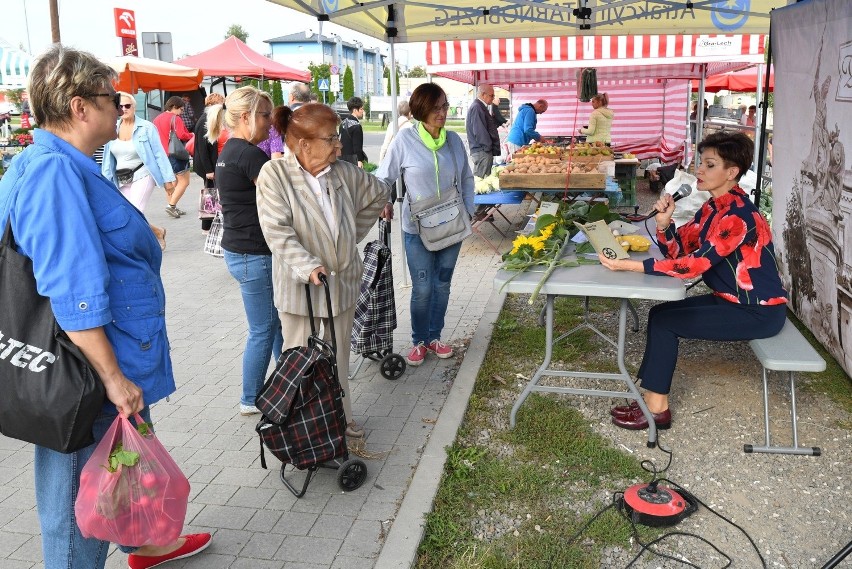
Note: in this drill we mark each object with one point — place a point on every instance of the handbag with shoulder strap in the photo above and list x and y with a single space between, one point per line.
177 149
51 395
442 220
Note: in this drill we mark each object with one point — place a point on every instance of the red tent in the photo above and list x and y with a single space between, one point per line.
744 81
233 58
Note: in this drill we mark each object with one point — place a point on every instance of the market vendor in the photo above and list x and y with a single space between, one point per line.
728 244
599 128
523 129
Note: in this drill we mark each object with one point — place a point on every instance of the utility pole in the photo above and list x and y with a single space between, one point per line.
54 21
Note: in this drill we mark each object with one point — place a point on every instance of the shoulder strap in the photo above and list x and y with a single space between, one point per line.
172 124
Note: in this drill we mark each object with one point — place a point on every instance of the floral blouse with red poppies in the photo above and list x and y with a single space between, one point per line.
728 244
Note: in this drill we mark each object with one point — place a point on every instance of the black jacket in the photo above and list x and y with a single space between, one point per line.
205 155
352 138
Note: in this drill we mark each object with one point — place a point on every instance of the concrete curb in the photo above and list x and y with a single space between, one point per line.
400 547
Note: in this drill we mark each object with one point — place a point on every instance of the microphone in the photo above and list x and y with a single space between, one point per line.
683 191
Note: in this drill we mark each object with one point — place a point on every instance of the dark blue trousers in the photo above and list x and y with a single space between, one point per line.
705 317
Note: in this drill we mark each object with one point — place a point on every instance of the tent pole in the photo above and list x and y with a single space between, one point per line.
699 116
390 30
758 131
763 109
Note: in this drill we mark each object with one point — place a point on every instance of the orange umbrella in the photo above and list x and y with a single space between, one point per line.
143 74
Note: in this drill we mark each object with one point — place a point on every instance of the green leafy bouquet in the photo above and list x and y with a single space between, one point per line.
546 244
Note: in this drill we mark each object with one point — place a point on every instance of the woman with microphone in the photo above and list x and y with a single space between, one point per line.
729 244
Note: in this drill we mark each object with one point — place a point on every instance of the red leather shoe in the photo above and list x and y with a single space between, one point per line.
622 410
195 543
636 420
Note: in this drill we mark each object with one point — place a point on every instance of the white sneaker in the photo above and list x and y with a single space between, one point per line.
248 410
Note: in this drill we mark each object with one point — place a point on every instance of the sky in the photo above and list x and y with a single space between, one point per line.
195 25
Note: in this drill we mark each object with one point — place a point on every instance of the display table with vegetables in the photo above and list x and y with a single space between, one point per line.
548 262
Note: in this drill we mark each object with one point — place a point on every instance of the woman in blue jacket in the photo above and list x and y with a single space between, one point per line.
136 161
523 129
99 265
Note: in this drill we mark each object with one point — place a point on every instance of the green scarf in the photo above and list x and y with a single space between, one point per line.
434 145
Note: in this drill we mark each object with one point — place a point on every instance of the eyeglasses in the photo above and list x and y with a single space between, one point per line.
125 106
116 98
334 138
440 108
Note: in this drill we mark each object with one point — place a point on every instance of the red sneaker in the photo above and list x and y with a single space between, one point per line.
416 355
195 543
440 349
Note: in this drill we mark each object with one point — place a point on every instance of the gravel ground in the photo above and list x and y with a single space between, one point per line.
797 509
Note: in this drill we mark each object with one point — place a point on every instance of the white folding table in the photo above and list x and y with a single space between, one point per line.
591 280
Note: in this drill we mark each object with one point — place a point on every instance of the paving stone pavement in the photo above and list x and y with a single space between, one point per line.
257 522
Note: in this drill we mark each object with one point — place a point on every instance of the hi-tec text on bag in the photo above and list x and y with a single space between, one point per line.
24 355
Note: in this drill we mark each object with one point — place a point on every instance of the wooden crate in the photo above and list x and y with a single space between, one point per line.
532 181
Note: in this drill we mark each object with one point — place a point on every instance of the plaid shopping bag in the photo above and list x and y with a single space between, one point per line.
303 421
375 309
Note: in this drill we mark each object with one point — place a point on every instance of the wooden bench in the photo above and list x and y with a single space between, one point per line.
787 351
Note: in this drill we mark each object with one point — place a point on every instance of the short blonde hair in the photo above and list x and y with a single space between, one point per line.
59 75
244 100
129 96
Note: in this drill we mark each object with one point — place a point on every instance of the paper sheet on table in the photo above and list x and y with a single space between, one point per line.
602 239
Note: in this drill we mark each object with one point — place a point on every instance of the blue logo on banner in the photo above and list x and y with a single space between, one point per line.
726 21
323 85
329 6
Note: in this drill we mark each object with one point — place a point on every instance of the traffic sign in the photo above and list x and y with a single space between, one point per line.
335 83
334 70
322 85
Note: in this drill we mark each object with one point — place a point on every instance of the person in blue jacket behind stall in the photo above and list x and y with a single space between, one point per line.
523 130
94 256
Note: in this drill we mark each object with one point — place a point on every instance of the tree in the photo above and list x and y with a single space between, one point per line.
387 74
237 31
15 96
277 94
348 84
417 72
320 71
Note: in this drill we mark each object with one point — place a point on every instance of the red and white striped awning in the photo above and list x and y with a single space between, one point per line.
515 61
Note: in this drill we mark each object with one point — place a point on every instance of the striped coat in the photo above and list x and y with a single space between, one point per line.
298 235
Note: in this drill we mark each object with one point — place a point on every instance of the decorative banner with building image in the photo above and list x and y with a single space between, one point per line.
812 180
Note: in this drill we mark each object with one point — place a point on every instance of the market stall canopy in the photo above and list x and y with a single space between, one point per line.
233 58
744 81
143 74
418 20
14 68
515 61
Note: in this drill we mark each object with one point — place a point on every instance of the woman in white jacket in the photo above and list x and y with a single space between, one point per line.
403 121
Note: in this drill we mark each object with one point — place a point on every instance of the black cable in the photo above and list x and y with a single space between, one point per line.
714 512
588 523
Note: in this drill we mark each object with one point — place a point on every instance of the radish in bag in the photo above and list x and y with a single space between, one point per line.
131 490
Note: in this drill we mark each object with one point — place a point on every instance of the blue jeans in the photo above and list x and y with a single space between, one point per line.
254 273
57 480
431 274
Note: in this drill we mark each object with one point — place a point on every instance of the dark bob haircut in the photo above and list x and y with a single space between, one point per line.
424 99
735 149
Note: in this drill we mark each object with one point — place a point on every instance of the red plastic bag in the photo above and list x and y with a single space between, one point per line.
131 490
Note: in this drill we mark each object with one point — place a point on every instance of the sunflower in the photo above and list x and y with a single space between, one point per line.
548 231
531 245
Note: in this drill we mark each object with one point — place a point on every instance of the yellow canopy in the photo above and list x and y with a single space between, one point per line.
424 20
